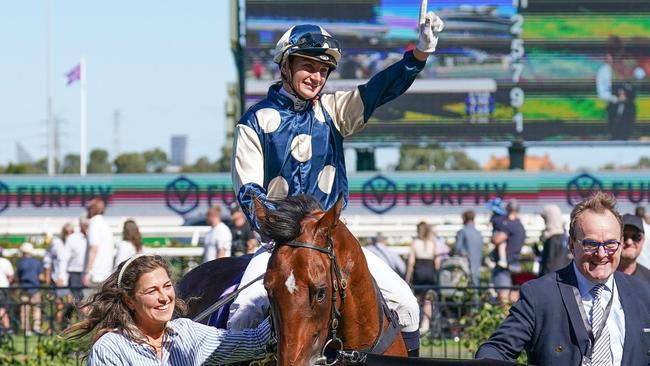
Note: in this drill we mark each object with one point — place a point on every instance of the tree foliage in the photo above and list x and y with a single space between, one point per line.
98 162
415 158
202 165
71 164
224 163
130 163
155 160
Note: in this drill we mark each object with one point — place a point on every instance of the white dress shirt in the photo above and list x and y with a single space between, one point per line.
56 259
616 318
219 237
77 245
101 236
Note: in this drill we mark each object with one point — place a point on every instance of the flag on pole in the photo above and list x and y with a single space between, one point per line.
74 74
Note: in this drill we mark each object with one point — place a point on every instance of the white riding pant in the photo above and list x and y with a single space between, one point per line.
252 304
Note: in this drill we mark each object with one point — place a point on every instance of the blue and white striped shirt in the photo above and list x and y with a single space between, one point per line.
187 343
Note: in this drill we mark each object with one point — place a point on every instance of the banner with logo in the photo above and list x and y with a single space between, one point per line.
379 193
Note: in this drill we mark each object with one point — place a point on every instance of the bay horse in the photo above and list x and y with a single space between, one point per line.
324 301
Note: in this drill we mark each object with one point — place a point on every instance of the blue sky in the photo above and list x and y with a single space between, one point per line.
164 65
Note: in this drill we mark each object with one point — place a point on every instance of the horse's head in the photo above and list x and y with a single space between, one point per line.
299 277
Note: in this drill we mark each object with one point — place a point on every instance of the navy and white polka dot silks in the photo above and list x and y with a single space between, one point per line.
282 148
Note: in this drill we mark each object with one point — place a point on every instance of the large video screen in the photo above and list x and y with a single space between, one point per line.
537 70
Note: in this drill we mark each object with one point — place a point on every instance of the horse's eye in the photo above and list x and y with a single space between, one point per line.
320 294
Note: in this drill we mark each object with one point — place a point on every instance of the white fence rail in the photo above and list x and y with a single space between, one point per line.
399 230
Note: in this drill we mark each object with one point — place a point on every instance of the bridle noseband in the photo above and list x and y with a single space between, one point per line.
338 282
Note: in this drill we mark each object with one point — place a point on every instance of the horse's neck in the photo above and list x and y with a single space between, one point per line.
360 313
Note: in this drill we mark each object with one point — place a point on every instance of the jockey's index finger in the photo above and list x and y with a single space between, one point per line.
423 11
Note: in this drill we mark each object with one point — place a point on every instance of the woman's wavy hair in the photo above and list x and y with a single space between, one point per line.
107 311
130 232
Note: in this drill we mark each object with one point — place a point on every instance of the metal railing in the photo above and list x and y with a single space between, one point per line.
30 323
454 310
451 329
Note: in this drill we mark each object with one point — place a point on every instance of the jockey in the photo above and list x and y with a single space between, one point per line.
291 143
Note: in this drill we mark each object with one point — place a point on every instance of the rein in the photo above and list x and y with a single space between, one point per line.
214 307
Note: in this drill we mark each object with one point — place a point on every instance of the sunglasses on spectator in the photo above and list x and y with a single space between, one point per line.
634 237
591 246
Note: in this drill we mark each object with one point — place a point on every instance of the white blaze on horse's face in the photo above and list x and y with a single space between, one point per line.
291 283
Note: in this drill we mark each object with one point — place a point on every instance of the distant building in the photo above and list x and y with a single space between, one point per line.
531 163
179 150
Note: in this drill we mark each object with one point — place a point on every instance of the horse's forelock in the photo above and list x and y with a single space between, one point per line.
283 224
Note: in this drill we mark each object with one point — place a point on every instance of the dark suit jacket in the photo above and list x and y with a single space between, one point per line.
546 322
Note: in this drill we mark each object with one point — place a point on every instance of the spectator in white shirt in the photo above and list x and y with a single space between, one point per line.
6 277
77 245
101 248
218 240
55 264
131 243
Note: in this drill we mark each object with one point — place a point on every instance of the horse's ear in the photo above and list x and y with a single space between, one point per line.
260 209
331 217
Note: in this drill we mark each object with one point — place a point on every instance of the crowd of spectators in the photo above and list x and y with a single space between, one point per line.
81 257
84 254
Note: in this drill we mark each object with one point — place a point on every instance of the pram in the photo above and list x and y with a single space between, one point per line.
450 301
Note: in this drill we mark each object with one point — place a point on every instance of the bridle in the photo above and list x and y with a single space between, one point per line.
339 285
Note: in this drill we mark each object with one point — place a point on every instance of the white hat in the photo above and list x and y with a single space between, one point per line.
27 248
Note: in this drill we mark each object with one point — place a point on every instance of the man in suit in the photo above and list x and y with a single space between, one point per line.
586 313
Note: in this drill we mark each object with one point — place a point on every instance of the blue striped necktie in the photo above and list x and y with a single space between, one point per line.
601 354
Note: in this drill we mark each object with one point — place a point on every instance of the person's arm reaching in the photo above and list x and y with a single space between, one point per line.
514 333
351 110
218 346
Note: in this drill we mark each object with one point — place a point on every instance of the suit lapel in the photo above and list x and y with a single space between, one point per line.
566 281
629 308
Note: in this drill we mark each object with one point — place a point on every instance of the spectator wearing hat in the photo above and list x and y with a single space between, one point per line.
644 257
6 277
29 271
243 238
633 240
512 233
498 255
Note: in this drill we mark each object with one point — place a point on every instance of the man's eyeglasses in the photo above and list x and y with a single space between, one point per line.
634 237
591 246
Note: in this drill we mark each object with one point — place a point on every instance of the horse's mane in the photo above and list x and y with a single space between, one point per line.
282 224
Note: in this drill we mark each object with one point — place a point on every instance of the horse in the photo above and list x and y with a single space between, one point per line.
208 283
325 305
